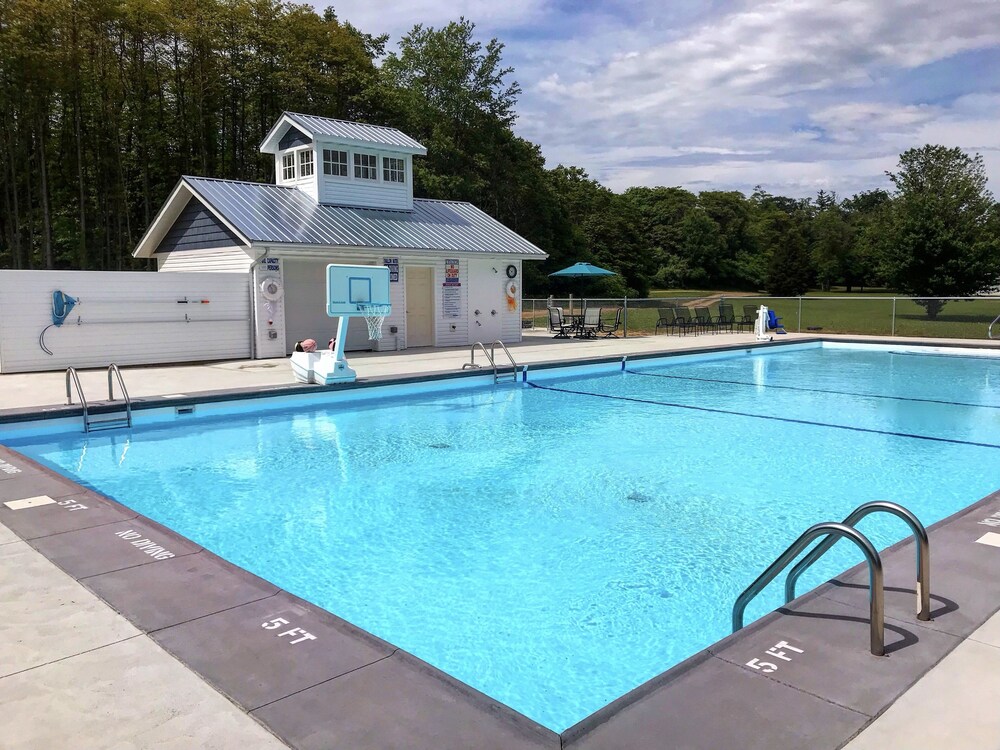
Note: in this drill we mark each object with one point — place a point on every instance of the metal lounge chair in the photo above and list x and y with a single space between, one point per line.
705 320
611 331
558 325
685 321
749 318
668 319
591 323
727 317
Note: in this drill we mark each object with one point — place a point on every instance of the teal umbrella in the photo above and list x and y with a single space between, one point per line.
581 271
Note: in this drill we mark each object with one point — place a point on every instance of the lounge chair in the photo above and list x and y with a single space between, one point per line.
611 331
705 320
668 319
685 321
558 325
726 318
749 318
591 323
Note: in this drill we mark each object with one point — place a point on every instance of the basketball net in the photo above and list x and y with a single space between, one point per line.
374 316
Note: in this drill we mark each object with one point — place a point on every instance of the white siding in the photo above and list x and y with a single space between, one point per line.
128 318
218 259
349 191
305 306
512 318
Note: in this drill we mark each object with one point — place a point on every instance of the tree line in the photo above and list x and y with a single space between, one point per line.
107 103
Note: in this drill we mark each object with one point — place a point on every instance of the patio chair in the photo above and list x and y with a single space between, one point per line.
611 331
703 316
591 323
668 319
558 325
685 321
726 318
749 318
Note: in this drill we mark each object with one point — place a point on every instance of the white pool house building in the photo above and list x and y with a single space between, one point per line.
343 193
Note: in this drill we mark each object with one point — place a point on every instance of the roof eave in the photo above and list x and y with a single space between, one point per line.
317 250
168 214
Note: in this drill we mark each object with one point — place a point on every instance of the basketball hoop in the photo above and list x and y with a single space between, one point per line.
374 316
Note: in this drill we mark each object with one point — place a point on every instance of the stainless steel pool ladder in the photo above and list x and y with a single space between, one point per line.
921 542
89 423
491 356
876 600
989 331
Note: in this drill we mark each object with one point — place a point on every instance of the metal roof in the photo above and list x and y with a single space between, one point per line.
267 214
354 131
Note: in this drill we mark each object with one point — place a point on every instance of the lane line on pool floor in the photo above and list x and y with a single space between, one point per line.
812 390
765 416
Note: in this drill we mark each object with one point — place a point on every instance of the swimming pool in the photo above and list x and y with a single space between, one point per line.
556 544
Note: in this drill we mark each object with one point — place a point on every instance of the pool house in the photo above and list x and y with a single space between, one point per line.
343 193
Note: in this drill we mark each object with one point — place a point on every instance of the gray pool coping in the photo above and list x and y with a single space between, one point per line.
325 683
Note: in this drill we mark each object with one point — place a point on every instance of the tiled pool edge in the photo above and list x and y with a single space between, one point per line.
711 698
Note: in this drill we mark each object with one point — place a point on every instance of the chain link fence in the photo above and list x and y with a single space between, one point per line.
960 317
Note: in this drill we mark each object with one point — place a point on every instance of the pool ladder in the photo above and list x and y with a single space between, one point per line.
989 331
831 533
490 355
89 422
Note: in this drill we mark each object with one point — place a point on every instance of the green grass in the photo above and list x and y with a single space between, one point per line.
829 312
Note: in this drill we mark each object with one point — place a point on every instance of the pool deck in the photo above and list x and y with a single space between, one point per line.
114 632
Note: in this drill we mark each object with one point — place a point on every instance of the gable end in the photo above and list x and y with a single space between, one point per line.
294 137
197 228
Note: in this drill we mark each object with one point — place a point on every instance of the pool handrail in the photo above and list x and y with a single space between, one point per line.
989 331
876 598
921 540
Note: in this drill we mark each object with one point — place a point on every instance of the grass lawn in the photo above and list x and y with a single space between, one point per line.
831 312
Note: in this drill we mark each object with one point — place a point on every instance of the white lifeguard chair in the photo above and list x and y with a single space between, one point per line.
351 292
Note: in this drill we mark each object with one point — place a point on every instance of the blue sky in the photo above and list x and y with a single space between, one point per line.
796 95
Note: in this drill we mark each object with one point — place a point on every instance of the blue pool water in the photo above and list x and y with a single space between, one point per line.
558 545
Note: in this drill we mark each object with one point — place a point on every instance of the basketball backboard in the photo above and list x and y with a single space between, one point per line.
350 288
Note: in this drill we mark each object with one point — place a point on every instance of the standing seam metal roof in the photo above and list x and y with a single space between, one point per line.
355 131
284 215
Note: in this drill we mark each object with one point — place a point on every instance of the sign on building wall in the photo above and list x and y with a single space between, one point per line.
451 273
393 265
451 301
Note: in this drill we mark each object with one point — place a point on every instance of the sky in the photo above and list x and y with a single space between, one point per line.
794 95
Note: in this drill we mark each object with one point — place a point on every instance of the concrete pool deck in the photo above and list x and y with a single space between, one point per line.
43 389
81 666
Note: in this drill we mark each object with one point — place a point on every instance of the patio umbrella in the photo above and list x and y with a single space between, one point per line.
581 271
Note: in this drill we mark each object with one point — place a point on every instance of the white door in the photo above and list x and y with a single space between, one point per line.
485 301
419 306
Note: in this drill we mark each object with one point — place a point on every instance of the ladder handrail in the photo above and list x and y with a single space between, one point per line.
73 379
989 331
473 364
919 535
493 350
876 600
113 370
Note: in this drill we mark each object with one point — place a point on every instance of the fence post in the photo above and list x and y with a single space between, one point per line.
893 317
625 317
800 315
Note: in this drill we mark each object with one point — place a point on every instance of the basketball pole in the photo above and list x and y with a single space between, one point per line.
341 370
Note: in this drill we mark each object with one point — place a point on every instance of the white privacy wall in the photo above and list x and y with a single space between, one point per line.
126 318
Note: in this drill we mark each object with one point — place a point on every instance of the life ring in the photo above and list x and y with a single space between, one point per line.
271 289
511 289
